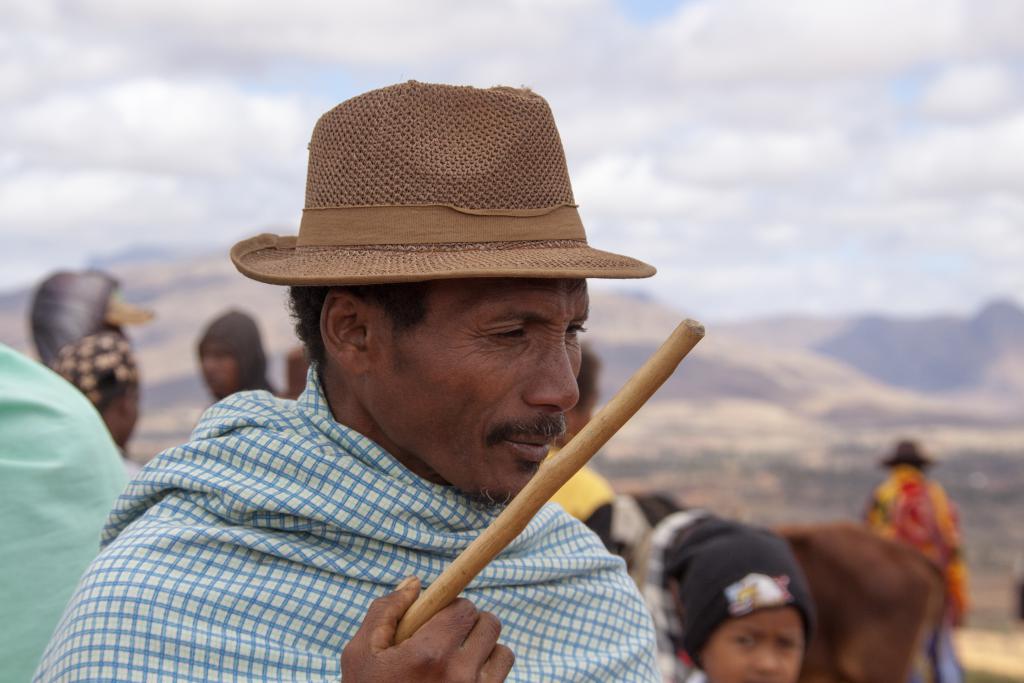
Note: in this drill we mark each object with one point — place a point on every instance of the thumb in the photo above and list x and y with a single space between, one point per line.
384 614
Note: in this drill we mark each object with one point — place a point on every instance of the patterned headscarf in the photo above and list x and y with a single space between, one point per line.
99 365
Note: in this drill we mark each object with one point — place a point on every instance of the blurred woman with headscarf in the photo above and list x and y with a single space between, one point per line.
231 356
69 306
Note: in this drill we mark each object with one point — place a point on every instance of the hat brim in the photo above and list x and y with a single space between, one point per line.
279 260
120 313
894 460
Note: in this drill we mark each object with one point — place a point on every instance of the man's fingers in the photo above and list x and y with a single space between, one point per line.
468 661
456 644
482 639
446 630
382 618
498 665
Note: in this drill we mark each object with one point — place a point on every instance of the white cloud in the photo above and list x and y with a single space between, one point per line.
67 206
820 155
382 32
814 39
808 39
971 90
636 188
156 125
767 156
955 159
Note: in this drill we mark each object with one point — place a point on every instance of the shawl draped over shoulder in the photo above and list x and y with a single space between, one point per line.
253 553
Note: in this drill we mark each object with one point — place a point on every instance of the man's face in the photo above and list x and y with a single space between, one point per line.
474 394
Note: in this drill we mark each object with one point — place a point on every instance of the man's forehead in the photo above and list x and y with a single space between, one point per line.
507 292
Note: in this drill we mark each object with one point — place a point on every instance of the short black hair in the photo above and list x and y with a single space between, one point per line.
405 303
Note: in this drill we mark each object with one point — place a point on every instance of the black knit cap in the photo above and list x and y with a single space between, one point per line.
727 569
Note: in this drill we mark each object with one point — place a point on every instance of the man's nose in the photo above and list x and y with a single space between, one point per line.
551 384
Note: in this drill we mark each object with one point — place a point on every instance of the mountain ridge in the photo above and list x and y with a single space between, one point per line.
749 384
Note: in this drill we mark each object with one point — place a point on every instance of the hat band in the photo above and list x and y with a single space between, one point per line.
435 224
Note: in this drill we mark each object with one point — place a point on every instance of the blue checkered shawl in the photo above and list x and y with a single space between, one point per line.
253 552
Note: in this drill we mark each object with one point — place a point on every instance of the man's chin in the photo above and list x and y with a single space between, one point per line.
502 494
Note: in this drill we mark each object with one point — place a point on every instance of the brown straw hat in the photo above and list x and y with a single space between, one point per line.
423 182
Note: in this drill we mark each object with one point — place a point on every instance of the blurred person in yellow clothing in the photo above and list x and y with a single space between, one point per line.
910 508
587 496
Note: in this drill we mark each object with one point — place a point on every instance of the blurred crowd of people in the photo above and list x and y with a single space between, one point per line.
78 322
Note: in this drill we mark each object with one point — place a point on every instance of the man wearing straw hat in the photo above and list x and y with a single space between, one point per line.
438 284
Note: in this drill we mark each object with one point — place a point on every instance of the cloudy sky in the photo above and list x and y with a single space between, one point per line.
815 156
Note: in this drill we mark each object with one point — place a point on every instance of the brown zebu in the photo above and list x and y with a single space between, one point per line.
876 602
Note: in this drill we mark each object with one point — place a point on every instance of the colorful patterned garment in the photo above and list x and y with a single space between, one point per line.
253 552
908 507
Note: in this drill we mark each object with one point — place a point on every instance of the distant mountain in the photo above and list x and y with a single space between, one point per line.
785 331
936 354
755 386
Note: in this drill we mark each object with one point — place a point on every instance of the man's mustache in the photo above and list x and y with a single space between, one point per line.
545 426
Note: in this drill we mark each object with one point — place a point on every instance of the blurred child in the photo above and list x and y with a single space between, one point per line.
730 603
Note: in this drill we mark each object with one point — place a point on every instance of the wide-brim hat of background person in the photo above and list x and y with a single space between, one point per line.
418 181
907 452
68 306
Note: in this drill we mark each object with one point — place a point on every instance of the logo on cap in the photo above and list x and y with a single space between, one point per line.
757 591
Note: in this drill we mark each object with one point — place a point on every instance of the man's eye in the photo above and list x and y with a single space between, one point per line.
575 329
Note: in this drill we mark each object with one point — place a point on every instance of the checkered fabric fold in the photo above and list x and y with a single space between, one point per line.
253 552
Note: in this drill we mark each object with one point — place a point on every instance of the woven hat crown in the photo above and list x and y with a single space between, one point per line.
419 181
426 144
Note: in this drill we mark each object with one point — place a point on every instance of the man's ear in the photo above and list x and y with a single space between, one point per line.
346 322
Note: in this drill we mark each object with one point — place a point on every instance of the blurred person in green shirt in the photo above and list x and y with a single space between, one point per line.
60 473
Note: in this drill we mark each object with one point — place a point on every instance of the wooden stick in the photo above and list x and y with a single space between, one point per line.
553 473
